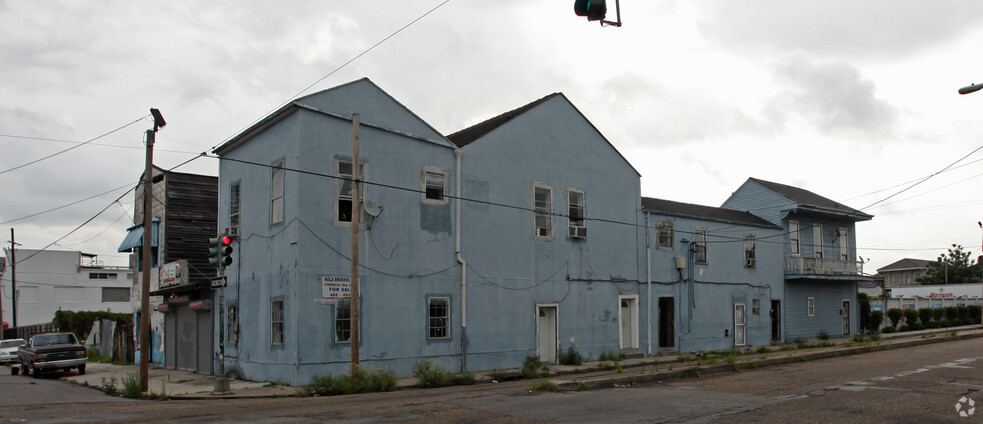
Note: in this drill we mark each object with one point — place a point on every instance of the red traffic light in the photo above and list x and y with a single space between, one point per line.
226 240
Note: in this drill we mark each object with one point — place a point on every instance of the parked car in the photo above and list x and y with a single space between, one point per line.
52 351
8 350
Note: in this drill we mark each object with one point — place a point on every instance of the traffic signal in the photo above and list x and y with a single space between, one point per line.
220 251
594 10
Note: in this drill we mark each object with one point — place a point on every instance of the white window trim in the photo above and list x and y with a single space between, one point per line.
817 241
447 324
549 213
334 321
811 306
338 185
750 252
670 227
446 190
273 322
794 240
571 221
844 239
701 232
634 342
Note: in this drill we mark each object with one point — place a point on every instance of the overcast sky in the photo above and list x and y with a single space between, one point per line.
852 100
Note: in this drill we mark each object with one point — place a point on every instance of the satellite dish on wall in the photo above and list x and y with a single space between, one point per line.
371 208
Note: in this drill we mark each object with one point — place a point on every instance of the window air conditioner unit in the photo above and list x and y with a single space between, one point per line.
233 231
577 232
749 262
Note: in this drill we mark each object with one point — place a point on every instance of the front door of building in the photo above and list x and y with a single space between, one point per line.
846 317
776 320
546 334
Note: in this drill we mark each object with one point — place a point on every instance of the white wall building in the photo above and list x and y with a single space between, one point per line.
52 280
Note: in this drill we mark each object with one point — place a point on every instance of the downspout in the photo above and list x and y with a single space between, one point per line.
464 266
648 281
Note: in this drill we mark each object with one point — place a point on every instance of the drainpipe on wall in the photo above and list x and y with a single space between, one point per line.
464 265
648 281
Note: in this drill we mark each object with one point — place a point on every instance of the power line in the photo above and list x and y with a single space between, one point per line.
73 147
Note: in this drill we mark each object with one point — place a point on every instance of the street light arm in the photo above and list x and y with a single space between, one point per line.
970 88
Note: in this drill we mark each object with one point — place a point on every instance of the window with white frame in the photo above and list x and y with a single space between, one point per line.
700 244
542 204
234 204
232 324
343 189
811 307
436 184
793 237
439 317
343 320
750 258
844 239
575 211
276 322
665 239
817 241
756 307
276 193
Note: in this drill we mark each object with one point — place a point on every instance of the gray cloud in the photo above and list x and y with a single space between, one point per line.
831 96
885 29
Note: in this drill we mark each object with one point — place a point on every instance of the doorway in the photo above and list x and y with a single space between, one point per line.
740 323
546 333
667 323
846 317
776 320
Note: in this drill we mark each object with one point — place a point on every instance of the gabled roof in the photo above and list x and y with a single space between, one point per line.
707 213
468 135
473 133
906 264
311 102
808 200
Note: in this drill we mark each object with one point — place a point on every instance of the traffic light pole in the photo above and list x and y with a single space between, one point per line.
617 11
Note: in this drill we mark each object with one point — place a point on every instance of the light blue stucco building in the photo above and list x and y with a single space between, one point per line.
523 235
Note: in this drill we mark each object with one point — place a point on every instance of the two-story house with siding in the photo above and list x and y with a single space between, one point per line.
715 275
287 193
821 267
550 233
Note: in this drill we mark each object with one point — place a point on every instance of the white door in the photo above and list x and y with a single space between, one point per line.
546 335
740 321
629 322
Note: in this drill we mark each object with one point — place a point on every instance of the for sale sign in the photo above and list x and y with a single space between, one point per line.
335 287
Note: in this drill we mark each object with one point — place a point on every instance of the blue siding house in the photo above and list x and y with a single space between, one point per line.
716 277
550 233
821 272
523 235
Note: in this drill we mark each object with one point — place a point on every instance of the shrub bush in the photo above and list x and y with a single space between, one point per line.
429 374
925 315
963 312
823 335
951 312
571 357
876 319
894 314
363 381
910 317
533 367
975 314
938 314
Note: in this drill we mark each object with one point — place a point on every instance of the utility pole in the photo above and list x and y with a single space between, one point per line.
13 278
355 223
148 211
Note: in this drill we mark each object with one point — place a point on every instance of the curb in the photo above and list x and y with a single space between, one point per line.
631 378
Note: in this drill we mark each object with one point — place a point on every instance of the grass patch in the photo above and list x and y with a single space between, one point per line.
363 381
533 367
543 385
497 375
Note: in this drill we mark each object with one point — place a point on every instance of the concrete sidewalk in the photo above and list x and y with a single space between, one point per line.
178 384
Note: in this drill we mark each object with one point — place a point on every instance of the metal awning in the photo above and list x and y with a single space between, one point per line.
134 236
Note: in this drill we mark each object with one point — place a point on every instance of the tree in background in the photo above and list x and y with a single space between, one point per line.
953 267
